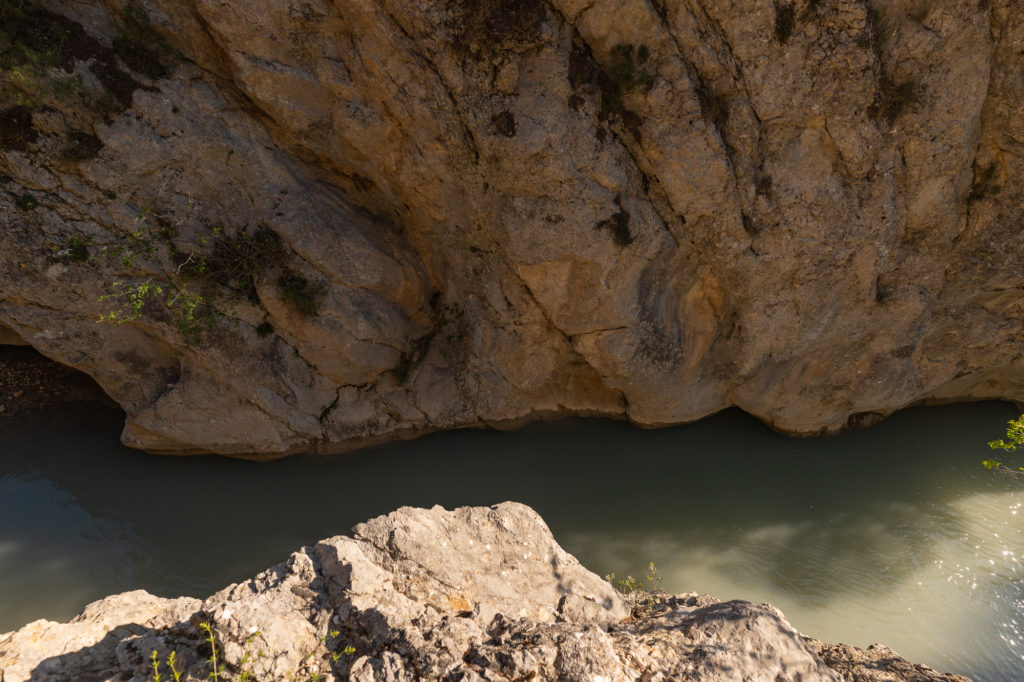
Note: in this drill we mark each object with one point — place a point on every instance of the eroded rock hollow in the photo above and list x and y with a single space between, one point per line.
310 225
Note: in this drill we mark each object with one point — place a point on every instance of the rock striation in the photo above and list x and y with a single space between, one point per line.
427 594
345 222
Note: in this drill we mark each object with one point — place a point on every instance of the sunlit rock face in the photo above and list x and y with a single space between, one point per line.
477 593
328 224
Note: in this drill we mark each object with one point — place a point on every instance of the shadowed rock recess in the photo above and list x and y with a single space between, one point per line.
316 225
476 593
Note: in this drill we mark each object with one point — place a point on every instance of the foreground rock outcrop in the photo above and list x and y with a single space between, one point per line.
473 594
342 222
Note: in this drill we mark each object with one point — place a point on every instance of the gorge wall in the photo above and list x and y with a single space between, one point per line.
312 225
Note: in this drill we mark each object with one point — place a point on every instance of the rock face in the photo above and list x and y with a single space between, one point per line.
342 222
472 594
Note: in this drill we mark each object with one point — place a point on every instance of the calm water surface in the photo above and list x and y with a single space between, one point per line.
893 534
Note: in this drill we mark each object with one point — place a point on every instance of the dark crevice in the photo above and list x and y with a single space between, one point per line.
30 382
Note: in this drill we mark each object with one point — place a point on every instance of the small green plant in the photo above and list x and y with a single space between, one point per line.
156 667
172 663
1014 440
201 278
642 595
215 670
137 244
131 298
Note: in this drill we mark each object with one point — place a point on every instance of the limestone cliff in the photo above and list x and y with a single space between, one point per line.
425 594
322 224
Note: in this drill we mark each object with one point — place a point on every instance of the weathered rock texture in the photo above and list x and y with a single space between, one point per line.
473 594
490 211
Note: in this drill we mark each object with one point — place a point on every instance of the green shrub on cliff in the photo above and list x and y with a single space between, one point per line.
191 273
1015 439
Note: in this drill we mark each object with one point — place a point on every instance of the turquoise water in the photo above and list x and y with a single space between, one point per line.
893 533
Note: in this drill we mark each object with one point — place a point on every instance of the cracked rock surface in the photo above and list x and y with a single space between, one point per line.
328 224
477 593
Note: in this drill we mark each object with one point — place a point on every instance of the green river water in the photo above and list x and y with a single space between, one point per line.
891 534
